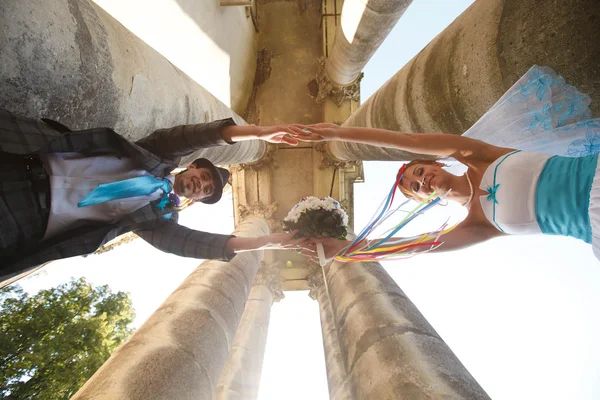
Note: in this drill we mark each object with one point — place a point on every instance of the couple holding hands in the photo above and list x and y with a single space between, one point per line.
531 165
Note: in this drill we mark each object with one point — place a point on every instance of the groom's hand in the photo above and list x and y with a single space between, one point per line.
282 241
316 132
274 241
277 134
271 134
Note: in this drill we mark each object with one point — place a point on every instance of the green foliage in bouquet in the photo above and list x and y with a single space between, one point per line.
318 223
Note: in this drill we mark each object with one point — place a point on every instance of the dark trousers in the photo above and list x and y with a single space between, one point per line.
24 203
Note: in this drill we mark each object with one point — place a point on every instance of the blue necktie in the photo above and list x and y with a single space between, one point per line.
139 186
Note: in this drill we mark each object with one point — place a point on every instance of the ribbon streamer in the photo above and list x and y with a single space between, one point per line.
389 247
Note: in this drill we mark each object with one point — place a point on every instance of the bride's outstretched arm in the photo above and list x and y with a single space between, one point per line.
459 238
437 144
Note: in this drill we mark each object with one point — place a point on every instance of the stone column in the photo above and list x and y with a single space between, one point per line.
453 81
72 62
389 349
181 350
364 26
334 360
347 151
240 379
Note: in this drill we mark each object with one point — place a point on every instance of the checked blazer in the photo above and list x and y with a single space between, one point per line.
159 153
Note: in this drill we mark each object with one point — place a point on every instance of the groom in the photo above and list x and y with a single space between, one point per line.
52 207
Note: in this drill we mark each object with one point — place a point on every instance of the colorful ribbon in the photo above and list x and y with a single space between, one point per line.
390 248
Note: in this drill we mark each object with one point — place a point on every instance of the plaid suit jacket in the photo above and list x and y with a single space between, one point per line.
159 153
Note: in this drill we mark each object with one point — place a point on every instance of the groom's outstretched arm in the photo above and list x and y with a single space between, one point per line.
273 241
173 238
182 140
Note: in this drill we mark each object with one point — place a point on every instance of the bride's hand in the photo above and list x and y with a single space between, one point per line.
315 133
331 247
279 134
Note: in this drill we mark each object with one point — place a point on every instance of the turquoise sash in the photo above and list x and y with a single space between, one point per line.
562 196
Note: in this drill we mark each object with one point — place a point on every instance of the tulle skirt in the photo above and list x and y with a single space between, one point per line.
541 113
544 114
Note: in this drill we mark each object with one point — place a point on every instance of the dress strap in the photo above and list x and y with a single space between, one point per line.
494 188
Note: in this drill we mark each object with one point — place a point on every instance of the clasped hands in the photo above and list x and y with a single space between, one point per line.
305 246
293 134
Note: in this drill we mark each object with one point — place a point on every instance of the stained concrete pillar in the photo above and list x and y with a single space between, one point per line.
451 83
337 377
180 351
389 349
347 151
240 379
71 61
364 26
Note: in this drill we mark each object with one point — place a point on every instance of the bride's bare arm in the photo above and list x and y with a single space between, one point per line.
459 238
437 144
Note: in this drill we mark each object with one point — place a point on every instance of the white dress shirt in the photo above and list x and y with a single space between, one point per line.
73 176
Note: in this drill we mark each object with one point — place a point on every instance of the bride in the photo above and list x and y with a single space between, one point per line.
531 165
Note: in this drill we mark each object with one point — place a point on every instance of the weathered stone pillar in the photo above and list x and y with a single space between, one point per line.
453 81
364 26
389 348
72 62
240 379
347 151
336 368
180 351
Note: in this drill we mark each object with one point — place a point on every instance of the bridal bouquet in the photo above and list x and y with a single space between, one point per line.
318 217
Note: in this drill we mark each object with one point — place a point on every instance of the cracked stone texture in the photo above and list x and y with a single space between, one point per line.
181 349
459 75
389 349
71 61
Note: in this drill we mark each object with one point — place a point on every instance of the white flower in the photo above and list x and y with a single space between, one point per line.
314 203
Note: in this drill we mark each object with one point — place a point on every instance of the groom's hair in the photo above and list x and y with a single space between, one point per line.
196 162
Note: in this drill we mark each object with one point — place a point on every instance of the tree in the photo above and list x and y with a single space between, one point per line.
52 342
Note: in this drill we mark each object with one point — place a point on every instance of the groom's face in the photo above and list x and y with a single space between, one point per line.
194 183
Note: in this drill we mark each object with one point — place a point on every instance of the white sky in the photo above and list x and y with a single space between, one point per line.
520 312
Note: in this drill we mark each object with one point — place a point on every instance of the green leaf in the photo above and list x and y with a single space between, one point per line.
58 337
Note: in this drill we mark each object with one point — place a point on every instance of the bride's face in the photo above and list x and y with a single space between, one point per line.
422 179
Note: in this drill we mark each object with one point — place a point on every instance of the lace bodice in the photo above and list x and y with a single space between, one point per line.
511 183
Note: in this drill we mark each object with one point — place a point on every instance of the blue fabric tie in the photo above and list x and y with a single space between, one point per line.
492 193
562 196
139 186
